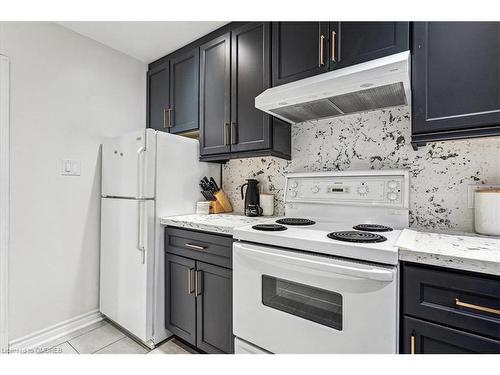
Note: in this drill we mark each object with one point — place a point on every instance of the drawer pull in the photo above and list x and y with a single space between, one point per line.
412 344
196 247
476 307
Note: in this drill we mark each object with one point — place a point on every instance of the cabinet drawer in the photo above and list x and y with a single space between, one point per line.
422 337
467 301
206 247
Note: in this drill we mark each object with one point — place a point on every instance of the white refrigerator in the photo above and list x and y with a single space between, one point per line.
145 175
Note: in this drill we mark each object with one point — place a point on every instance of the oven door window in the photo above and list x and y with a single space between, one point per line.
314 304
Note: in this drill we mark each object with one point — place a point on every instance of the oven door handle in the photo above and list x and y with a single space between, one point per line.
327 265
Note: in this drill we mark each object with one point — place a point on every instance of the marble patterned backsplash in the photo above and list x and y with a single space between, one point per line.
440 172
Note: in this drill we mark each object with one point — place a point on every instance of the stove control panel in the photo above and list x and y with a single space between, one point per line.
363 190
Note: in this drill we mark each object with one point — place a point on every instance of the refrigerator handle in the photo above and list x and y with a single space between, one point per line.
140 235
140 172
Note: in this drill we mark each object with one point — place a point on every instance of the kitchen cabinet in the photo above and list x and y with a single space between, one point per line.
214 305
198 289
180 314
449 311
158 97
215 95
184 91
300 50
250 76
173 91
421 337
305 49
455 70
234 69
357 42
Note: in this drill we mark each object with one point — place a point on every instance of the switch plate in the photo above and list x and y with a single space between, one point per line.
71 167
472 188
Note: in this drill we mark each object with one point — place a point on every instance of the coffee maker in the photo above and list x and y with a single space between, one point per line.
251 196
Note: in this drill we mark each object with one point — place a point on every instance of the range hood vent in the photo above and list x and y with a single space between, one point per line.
378 84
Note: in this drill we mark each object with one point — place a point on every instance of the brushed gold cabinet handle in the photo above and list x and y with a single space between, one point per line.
412 344
197 284
476 307
190 277
234 133
196 247
321 50
170 117
334 35
226 133
164 118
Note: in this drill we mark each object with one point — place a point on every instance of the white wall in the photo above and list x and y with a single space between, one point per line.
67 93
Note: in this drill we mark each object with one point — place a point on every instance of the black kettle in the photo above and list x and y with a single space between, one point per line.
251 196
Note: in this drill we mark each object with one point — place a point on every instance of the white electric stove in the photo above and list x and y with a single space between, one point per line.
324 278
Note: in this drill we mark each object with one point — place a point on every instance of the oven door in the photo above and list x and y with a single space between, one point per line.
293 302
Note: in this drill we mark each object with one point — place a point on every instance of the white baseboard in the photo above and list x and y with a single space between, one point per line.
56 331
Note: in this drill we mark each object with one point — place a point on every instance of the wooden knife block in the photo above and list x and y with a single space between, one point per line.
221 203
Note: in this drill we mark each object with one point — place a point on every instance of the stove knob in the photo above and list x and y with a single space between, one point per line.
392 196
363 190
392 184
315 189
295 184
293 194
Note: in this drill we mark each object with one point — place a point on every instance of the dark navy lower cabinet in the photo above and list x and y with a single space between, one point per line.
447 311
199 289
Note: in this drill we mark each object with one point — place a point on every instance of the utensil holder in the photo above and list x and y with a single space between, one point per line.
223 201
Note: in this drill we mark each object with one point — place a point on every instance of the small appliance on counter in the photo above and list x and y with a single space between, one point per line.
217 198
487 211
251 196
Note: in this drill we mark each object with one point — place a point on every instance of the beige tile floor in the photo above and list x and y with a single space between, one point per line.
106 338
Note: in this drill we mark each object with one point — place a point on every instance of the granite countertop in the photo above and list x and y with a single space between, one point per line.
215 223
467 252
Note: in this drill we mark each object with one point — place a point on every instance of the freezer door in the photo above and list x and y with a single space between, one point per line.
127 246
128 165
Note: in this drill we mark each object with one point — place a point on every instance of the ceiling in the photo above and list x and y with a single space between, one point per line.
145 41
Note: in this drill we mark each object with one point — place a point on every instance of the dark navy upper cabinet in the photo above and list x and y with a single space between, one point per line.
172 93
251 75
300 50
184 89
352 43
215 95
158 97
455 80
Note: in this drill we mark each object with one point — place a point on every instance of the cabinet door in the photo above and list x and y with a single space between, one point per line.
214 309
251 65
300 50
215 95
455 78
184 89
180 301
356 42
158 97
421 337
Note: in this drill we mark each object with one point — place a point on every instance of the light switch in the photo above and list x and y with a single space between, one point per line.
71 167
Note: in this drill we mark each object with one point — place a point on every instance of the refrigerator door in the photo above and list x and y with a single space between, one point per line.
126 275
128 165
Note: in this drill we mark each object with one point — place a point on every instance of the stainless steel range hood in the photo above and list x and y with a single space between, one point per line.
376 84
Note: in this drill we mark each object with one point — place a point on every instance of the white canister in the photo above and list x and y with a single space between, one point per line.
203 208
487 211
267 204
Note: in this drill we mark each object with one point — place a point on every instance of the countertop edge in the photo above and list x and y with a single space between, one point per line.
451 262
